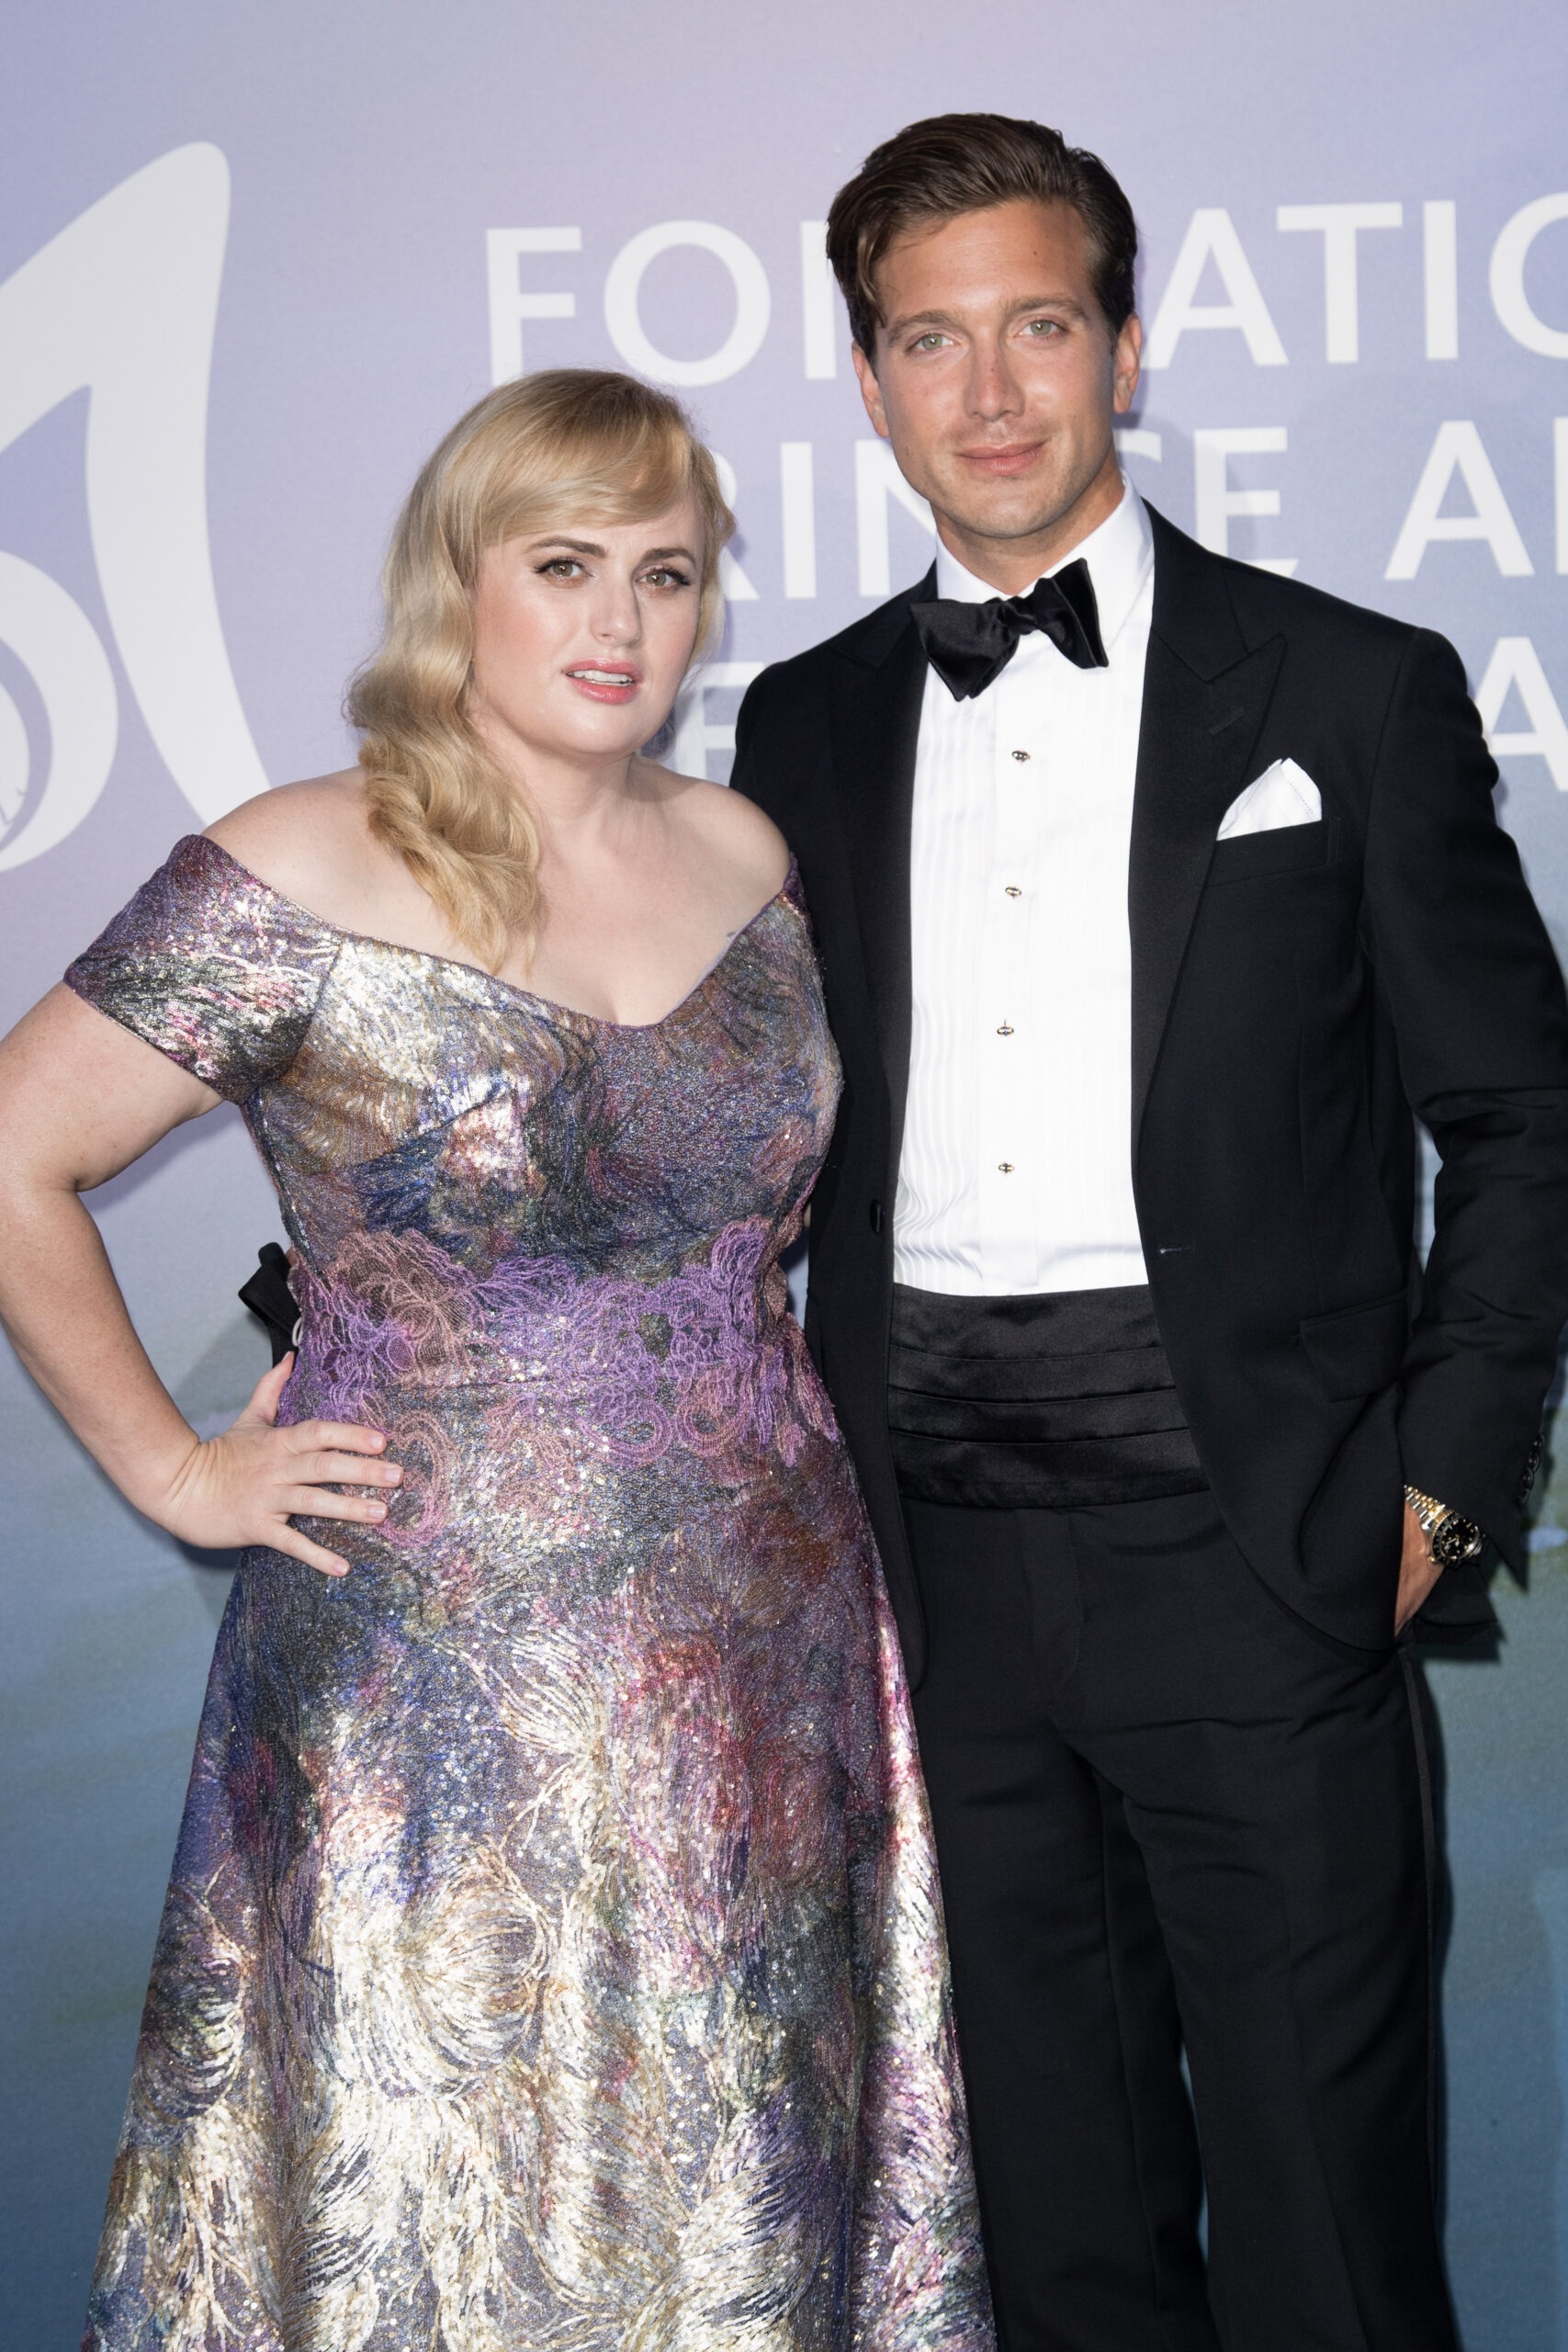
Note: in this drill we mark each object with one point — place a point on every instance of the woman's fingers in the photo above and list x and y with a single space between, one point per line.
345 1469
338 1437
322 1502
284 1474
268 1393
296 1546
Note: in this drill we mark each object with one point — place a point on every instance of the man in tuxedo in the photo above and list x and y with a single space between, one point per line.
1157 898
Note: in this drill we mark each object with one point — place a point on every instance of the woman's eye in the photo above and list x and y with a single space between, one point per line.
666 576
560 567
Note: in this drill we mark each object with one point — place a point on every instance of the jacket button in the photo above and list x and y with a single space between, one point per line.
877 1216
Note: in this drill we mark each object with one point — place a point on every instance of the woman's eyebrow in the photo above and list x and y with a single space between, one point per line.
591 547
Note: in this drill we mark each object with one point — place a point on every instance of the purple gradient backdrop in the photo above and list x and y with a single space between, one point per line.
370 150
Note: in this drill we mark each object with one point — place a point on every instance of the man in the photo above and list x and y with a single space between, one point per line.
1155 901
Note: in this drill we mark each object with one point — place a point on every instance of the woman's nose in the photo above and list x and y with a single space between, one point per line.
619 620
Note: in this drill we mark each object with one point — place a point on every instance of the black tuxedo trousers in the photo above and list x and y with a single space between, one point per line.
1169 1813
1169 1745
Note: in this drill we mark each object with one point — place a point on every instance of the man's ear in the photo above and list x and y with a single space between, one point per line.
870 390
1127 364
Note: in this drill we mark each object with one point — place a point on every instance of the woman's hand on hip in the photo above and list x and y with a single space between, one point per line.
243 1487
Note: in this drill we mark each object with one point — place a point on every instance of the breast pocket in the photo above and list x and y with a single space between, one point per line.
1284 849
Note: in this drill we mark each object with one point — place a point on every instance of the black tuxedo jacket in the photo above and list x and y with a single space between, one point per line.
1299 998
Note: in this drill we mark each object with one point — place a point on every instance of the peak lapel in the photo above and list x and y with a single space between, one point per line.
877 686
1205 697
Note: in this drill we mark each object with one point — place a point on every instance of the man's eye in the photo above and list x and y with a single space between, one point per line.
1040 328
928 342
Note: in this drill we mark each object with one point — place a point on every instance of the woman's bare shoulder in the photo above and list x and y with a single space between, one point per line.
308 840
736 831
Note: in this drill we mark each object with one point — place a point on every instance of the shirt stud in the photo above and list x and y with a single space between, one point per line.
1012 890
1004 1029
1004 1167
1020 755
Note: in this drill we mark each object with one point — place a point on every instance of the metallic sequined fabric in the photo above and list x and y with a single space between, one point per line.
553 1960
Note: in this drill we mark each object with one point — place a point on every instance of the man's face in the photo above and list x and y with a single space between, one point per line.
996 381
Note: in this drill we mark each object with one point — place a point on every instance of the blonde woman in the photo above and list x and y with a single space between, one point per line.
553 1955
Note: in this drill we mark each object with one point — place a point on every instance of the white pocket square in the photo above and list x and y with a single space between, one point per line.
1283 795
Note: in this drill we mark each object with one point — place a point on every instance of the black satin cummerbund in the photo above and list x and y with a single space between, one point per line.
1054 1401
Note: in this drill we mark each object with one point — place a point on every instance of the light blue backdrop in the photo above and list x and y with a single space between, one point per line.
252 263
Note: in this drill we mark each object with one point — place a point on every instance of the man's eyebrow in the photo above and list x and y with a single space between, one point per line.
925 320
1068 303
921 318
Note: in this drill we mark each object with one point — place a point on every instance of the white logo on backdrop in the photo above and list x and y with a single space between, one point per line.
122 304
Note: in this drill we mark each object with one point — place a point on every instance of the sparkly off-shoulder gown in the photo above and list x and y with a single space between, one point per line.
553 1960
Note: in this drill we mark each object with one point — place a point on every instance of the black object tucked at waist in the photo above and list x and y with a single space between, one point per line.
1049 1401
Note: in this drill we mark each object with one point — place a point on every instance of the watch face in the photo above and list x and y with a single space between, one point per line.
1455 1541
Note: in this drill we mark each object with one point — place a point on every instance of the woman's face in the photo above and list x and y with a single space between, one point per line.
582 635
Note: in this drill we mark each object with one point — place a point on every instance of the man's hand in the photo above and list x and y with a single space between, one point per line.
1418 1572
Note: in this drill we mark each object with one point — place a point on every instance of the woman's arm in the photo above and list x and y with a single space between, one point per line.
81 1099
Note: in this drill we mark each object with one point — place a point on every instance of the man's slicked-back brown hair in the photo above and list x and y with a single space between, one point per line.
953 164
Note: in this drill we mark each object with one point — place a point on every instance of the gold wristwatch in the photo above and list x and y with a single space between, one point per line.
1450 1539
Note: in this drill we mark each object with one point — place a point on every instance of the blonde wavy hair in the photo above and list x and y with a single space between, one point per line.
571 447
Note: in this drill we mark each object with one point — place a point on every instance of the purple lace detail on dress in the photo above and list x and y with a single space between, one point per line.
709 1358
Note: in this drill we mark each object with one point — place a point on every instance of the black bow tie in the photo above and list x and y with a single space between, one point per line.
968 645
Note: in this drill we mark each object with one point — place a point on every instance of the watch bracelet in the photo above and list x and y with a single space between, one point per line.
1433 1516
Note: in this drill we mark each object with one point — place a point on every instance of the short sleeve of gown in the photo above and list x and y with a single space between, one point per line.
212 967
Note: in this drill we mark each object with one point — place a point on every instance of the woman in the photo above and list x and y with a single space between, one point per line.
553 1954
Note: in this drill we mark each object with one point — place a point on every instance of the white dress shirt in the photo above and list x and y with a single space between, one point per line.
1016 1172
